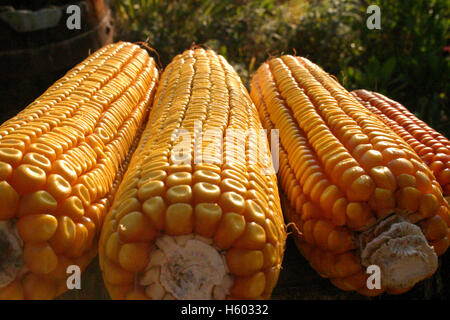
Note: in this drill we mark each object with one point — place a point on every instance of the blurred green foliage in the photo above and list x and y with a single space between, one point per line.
407 59
242 31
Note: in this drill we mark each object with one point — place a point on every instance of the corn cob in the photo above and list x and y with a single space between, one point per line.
431 146
206 222
357 192
61 160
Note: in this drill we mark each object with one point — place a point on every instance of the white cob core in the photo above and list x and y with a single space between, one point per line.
401 251
186 267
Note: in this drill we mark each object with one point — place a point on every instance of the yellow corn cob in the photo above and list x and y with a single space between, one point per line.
431 146
61 160
356 190
185 227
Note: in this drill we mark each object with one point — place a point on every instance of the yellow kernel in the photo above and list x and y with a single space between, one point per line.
272 234
383 178
408 198
10 156
358 215
90 184
329 197
115 275
254 213
361 189
382 201
423 182
58 187
60 272
38 288
64 235
37 228
339 241
349 175
71 207
134 257
27 178
160 175
80 242
179 219
207 218
321 231
347 264
135 227
406 180
228 184
179 194
230 228
390 154
37 160
232 202
6 171
9 200
13 143
249 287
206 192
371 158
179 168
270 254
206 176
208 167
429 204
39 202
62 168
434 228
127 206
150 189
339 212
155 208
243 262
43 149
39 257
178 178
112 247
242 177
401 165
82 192
91 228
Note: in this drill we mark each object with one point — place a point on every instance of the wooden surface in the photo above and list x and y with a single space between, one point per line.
298 281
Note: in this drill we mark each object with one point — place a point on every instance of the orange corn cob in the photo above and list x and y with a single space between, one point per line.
357 192
61 160
431 146
205 227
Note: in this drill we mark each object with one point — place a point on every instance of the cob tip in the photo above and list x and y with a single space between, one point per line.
188 268
401 251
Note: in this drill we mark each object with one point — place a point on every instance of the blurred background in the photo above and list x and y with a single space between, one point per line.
407 60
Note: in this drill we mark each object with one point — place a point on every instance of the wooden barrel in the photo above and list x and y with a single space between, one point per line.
31 61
